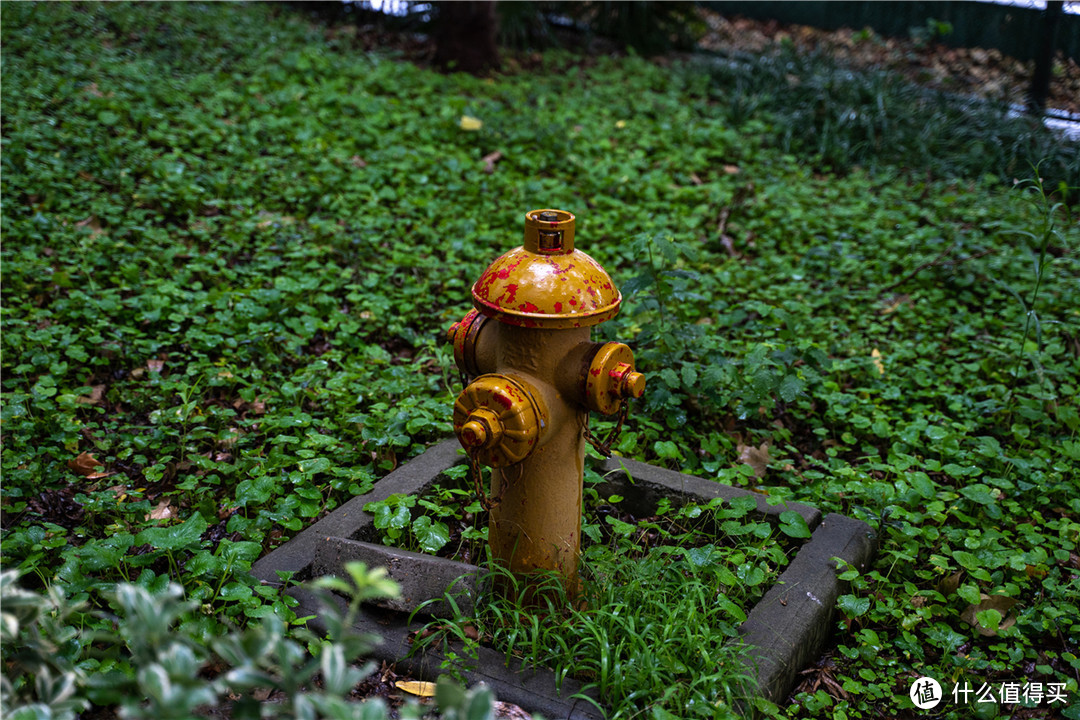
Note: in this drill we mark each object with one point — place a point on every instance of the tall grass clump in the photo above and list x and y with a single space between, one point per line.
653 624
876 118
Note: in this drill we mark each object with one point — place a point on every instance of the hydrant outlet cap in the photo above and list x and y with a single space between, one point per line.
546 283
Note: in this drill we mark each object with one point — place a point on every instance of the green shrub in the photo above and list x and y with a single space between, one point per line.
153 668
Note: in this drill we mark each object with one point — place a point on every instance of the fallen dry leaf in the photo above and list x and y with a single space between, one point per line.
875 357
155 366
357 161
948 585
93 223
489 161
470 123
732 169
419 688
510 711
895 303
94 398
163 511
84 464
756 457
1001 603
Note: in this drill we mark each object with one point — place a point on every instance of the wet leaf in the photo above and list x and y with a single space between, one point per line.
163 511
794 525
175 536
489 161
756 457
85 464
875 357
431 534
95 396
948 585
988 616
419 688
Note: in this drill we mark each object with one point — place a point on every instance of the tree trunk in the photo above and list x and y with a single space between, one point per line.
1044 57
465 37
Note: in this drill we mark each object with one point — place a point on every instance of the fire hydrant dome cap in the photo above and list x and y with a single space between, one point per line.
545 283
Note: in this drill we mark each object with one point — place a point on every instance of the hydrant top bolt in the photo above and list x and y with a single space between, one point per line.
549 216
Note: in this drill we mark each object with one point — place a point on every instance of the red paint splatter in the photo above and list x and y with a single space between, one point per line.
528 307
558 307
504 401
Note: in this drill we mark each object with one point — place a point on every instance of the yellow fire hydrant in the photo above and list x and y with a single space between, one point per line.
534 377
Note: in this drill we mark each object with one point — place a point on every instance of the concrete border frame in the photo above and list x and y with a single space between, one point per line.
784 631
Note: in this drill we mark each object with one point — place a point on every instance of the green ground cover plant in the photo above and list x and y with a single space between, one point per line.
232 242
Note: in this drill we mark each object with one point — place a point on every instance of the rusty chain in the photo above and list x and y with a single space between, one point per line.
476 473
604 446
475 468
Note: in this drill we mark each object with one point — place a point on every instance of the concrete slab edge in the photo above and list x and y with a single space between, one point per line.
787 628
651 482
297 555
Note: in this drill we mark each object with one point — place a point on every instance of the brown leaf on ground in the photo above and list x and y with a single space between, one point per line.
85 464
895 303
1001 603
94 398
729 245
756 457
948 585
155 366
256 407
509 711
875 358
93 223
489 161
163 511
357 161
